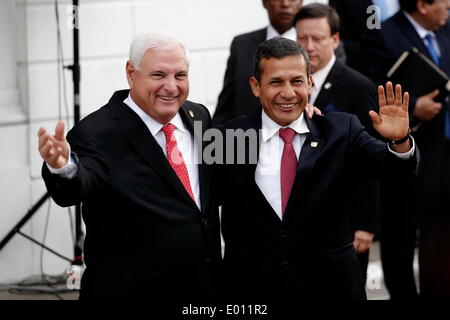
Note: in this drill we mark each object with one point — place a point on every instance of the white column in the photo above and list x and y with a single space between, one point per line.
9 102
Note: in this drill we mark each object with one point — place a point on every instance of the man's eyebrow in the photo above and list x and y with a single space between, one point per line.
275 78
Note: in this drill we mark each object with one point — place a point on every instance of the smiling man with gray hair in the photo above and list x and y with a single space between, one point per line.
147 204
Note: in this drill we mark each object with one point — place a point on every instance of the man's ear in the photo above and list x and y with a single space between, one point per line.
129 70
255 86
336 39
421 7
310 83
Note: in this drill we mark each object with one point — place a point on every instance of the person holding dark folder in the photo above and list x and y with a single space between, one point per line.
422 24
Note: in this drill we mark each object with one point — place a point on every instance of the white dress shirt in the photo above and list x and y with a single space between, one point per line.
291 34
387 8
267 174
319 78
185 142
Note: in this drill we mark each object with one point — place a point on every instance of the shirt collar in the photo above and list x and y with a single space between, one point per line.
153 125
291 34
421 31
270 127
320 76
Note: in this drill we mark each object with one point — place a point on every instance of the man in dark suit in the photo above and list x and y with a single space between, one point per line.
354 17
236 97
285 210
317 28
152 228
422 24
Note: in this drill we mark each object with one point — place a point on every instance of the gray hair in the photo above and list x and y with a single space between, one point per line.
149 40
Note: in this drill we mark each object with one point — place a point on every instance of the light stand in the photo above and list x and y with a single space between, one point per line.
78 245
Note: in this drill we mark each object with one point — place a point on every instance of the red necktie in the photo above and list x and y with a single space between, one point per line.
288 166
176 158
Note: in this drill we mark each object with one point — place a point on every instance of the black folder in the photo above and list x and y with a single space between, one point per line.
418 75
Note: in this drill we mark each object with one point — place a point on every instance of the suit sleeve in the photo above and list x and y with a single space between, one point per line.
365 213
372 157
224 109
91 175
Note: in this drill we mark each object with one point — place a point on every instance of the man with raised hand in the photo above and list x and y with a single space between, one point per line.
152 225
285 224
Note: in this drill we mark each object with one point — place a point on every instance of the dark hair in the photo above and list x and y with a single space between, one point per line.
319 10
411 5
277 48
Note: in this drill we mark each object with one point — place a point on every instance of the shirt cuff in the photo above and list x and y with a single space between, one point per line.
406 155
69 171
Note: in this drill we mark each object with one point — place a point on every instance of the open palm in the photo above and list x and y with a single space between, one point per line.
392 122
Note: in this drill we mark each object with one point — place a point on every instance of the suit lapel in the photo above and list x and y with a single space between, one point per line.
411 34
254 122
309 155
259 36
189 116
329 85
444 45
251 168
145 144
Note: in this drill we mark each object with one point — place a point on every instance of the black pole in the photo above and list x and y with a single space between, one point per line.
27 216
78 250
78 245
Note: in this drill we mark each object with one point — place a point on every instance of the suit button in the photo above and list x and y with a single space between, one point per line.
208 260
283 234
204 221
285 265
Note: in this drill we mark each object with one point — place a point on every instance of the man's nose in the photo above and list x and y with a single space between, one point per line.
288 92
170 84
285 3
308 44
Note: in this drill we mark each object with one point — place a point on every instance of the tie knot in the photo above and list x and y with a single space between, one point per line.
287 134
429 38
168 131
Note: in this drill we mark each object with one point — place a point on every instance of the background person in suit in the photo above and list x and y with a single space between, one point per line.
236 97
149 208
285 218
354 18
422 24
317 28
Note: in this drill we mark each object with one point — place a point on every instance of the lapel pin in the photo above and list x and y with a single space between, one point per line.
191 113
314 144
327 85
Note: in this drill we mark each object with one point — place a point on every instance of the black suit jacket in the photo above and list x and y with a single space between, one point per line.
309 254
381 48
353 17
347 90
145 237
237 97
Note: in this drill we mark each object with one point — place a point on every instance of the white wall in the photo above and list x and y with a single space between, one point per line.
29 91
29 94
